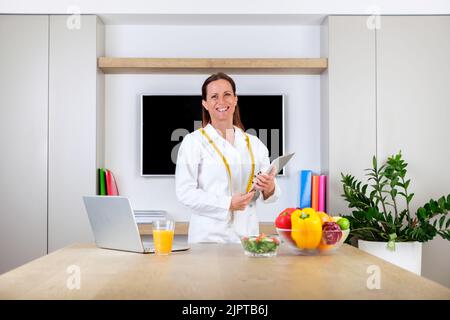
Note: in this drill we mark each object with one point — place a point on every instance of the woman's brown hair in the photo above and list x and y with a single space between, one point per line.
206 118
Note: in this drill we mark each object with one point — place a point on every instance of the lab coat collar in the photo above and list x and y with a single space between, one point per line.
212 132
238 133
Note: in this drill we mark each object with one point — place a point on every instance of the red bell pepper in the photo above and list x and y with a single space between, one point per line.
283 221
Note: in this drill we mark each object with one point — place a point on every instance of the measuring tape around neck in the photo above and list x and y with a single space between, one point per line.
225 162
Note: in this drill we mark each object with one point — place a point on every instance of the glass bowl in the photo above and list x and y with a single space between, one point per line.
313 243
260 246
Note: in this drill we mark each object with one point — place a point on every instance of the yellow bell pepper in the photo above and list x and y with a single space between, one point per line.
306 228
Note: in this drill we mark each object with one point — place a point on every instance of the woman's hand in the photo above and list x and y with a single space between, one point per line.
241 201
266 183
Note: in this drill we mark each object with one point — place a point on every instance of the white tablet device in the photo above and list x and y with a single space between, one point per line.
279 163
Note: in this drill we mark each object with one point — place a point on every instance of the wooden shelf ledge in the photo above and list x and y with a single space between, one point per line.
200 65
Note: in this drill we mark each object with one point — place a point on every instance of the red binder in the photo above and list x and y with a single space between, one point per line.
111 185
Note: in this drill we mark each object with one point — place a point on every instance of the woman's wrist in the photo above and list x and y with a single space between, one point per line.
267 195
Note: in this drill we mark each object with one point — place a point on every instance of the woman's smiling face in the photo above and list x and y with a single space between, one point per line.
220 101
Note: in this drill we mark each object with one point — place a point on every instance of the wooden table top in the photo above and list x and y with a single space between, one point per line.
212 271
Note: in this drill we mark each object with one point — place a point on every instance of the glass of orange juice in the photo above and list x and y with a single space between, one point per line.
163 231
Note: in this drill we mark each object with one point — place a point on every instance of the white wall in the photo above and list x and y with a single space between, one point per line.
302 99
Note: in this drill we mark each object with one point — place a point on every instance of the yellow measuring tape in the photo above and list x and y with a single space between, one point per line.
225 162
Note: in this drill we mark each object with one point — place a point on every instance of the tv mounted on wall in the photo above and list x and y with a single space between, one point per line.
166 119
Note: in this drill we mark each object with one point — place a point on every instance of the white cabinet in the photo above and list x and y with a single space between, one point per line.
413 59
23 139
51 132
76 127
387 90
348 116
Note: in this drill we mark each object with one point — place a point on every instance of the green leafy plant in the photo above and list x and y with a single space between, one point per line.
381 208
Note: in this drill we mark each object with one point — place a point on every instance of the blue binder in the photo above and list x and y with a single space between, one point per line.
305 188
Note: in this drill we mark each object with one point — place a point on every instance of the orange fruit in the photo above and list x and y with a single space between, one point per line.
324 217
324 247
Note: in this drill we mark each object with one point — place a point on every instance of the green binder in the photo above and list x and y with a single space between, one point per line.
102 177
98 181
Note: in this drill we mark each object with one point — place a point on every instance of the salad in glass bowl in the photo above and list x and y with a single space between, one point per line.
260 246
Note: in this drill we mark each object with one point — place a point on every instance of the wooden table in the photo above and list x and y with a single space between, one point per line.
212 271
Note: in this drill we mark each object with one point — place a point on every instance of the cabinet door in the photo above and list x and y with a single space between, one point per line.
23 139
348 111
414 113
72 128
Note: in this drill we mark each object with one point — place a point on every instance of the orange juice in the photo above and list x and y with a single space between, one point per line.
162 240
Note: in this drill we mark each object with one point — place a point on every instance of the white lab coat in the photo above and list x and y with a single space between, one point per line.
202 184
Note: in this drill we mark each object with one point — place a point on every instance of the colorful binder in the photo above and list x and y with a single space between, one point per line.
111 185
315 192
102 182
305 189
98 181
322 194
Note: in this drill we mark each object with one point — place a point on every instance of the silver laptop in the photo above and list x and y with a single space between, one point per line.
114 225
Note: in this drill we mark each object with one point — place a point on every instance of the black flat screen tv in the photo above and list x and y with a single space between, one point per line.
166 119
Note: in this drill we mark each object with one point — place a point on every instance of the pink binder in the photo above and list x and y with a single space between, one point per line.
322 195
111 185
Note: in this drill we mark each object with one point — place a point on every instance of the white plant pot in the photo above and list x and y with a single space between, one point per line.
407 255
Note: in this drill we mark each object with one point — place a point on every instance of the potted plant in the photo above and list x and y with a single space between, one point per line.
383 225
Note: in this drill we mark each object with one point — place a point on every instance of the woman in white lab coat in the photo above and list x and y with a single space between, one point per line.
217 166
